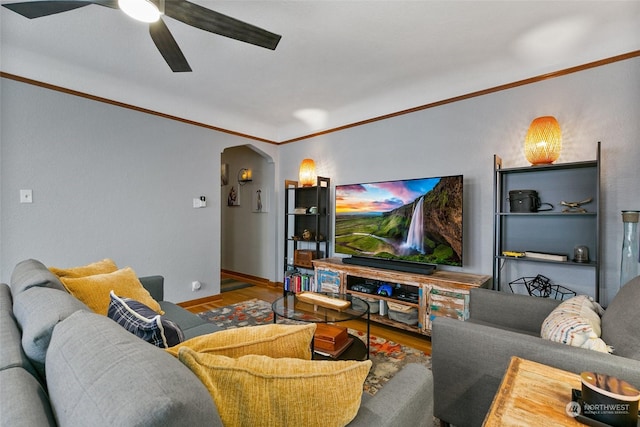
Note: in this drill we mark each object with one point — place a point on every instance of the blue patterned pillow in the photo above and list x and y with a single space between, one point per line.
143 322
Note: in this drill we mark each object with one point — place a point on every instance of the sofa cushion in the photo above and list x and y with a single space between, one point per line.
30 273
621 320
94 290
98 374
11 354
201 329
38 310
576 322
273 340
23 400
143 322
285 391
6 299
99 267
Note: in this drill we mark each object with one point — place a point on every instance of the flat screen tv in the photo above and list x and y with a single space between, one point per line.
409 221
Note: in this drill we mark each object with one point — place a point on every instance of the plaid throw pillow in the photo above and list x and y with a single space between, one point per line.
143 322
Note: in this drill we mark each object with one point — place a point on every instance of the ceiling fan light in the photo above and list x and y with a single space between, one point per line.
141 10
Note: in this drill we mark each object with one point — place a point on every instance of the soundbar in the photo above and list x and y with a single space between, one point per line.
389 264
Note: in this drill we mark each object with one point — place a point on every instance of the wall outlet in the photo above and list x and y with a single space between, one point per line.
195 285
26 196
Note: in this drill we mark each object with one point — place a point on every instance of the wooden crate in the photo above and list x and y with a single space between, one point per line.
303 258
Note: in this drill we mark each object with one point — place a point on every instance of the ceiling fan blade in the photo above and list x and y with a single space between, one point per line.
217 23
168 47
38 9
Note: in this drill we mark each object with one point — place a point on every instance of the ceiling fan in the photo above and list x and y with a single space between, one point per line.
181 10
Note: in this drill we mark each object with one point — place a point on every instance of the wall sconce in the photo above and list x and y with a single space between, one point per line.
307 174
244 176
543 142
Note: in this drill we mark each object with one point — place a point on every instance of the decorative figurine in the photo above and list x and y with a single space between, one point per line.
307 235
575 207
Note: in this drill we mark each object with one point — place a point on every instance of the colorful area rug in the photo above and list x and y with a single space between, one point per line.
387 356
227 285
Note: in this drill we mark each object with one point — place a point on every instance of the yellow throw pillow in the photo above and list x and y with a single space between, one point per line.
257 391
99 267
273 340
94 290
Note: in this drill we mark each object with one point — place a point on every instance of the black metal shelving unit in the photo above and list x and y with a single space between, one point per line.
306 208
554 231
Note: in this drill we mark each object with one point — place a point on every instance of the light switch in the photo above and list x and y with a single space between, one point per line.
26 196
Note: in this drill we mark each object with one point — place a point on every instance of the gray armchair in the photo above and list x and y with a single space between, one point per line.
470 358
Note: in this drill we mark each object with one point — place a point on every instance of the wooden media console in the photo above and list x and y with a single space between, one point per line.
443 293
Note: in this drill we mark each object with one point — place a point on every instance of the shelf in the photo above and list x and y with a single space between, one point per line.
558 166
380 297
390 322
300 266
550 214
385 319
547 261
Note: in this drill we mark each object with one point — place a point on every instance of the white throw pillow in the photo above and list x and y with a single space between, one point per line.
576 322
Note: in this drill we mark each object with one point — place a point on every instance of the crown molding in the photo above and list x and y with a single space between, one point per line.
475 94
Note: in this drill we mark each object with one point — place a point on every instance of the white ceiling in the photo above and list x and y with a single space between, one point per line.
350 60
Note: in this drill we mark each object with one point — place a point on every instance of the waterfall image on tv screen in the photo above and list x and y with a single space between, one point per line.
418 220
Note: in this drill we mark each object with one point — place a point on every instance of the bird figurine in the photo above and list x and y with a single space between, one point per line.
575 207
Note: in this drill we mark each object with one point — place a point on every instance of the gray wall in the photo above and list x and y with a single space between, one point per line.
601 104
111 182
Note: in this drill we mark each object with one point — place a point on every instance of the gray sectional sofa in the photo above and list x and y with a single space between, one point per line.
61 364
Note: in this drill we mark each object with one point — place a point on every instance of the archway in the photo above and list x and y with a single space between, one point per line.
248 214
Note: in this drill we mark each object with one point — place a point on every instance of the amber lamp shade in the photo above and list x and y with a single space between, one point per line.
543 142
307 175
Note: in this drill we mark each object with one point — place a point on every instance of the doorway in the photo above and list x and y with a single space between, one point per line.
248 213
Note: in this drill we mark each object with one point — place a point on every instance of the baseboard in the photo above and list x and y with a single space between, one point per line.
212 298
254 280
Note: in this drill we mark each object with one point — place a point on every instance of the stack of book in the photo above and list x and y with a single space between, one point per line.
299 283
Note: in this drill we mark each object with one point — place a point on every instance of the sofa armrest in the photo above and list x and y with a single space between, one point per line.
469 361
406 400
513 311
155 286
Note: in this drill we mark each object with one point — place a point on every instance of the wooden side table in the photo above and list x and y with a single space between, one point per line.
533 394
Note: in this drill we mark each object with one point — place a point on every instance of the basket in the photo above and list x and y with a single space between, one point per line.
374 305
403 313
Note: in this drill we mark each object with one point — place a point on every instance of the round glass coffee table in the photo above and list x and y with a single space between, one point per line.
291 308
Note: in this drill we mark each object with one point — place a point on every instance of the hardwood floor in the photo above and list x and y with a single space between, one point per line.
270 294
